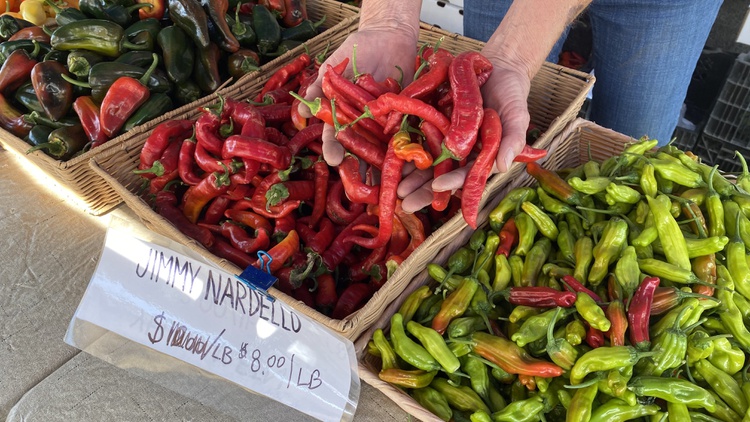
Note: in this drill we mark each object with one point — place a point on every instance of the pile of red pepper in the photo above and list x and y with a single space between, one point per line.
613 290
244 178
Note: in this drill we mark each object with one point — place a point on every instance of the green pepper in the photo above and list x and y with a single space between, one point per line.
157 105
283 48
116 11
575 225
621 193
495 399
735 254
303 31
705 246
411 304
730 316
508 205
63 143
26 97
676 390
186 92
36 118
673 346
461 398
616 410
535 259
477 239
178 53
65 15
485 259
723 411
543 222
34 48
479 377
434 343
535 327
702 417
591 312
459 349
559 349
501 375
582 402
464 326
408 349
605 358
648 180
527 230
697 307
516 269
526 410
242 29
455 304
480 303
387 355
699 346
575 332
10 24
267 29
590 186
38 134
615 384
724 385
189 16
433 401
416 378
726 357
607 250
627 272
440 275
667 271
151 26
677 173
79 62
583 254
100 36
566 242
427 313
460 262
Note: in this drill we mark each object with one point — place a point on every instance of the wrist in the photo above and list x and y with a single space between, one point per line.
401 17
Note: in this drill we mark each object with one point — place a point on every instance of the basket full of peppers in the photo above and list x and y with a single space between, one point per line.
613 288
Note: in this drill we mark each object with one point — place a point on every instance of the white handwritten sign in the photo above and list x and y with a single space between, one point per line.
210 319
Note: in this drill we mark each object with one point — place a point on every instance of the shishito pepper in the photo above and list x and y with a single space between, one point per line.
616 410
413 301
676 390
700 346
526 410
508 205
122 100
559 349
533 328
582 402
455 304
590 311
725 356
607 250
724 385
672 345
553 184
511 358
434 401
461 398
387 355
544 223
406 378
527 231
434 343
479 377
411 352
604 359
535 259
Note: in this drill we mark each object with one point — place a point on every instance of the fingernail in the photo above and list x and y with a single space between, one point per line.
508 161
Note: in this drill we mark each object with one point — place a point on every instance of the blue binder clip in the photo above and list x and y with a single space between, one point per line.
261 279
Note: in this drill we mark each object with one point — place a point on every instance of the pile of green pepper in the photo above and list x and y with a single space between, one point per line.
199 45
612 291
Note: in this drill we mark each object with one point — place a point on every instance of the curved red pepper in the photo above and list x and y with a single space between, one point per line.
325 295
364 269
166 206
577 286
122 99
241 240
223 249
639 312
322 175
257 149
338 249
414 227
540 297
335 208
529 154
351 299
471 197
508 237
215 210
186 163
15 70
396 102
197 196
284 74
318 240
434 140
162 135
281 252
399 239
304 137
276 114
356 190
275 136
88 114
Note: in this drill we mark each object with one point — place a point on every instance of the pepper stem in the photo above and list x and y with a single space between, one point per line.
314 105
53 148
157 169
551 327
320 22
354 62
444 155
75 81
421 68
226 130
238 28
320 58
146 76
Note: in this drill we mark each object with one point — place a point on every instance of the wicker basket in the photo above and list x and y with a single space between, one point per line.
570 148
564 89
96 196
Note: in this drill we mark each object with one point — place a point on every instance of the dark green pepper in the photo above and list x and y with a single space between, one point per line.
479 377
117 11
66 15
302 32
242 29
136 58
149 25
178 53
206 68
284 47
63 143
26 97
98 35
157 105
267 29
10 24
38 134
104 74
30 46
189 16
37 118
80 62
56 55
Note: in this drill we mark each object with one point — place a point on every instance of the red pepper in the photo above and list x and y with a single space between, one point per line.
167 162
34 33
577 286
294 190
356 190
249 219
160 182
467 103
594 337
508 237
197 196
257 149
296 12
321 192
335 83
367 82
363 269
399 239
304 137
616 315
166 206
351 299
318 240
490 133
276 114
88 114
16 70
245 116
434 139
275 136
215 210
553 184
282 251
284 74
283 225
396 102
241 240
325 295
155 10
338 249
530 154
224 249
335 208
163 134
186 163
540 297
358 145
639 312
389 180
207 132
410 152
414 227
209 163
238 191
123 98
370 129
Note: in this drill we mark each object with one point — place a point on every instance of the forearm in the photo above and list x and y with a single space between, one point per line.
529 30
391 15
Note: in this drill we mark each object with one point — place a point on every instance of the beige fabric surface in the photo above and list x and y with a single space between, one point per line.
49 252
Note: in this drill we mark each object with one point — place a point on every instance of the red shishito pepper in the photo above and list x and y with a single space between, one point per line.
467 103
540 297
577 286
491 133
508 237
123 98
639 312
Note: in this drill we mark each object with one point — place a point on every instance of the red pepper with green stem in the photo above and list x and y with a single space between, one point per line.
208 163
336 85
395 102
639 312
389 180
352 114
335 208
364 269
16 70
166 206
207 132
166 164
197 196
490 133
257 149
88 113
276 114
434 140
163 134
356 190
186 164
123 98
284 74
338 248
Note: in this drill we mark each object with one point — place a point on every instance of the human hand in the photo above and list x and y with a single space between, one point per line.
506 91
378 52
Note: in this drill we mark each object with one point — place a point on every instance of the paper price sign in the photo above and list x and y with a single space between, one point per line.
209 318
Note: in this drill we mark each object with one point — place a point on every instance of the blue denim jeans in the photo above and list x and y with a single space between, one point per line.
644 53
